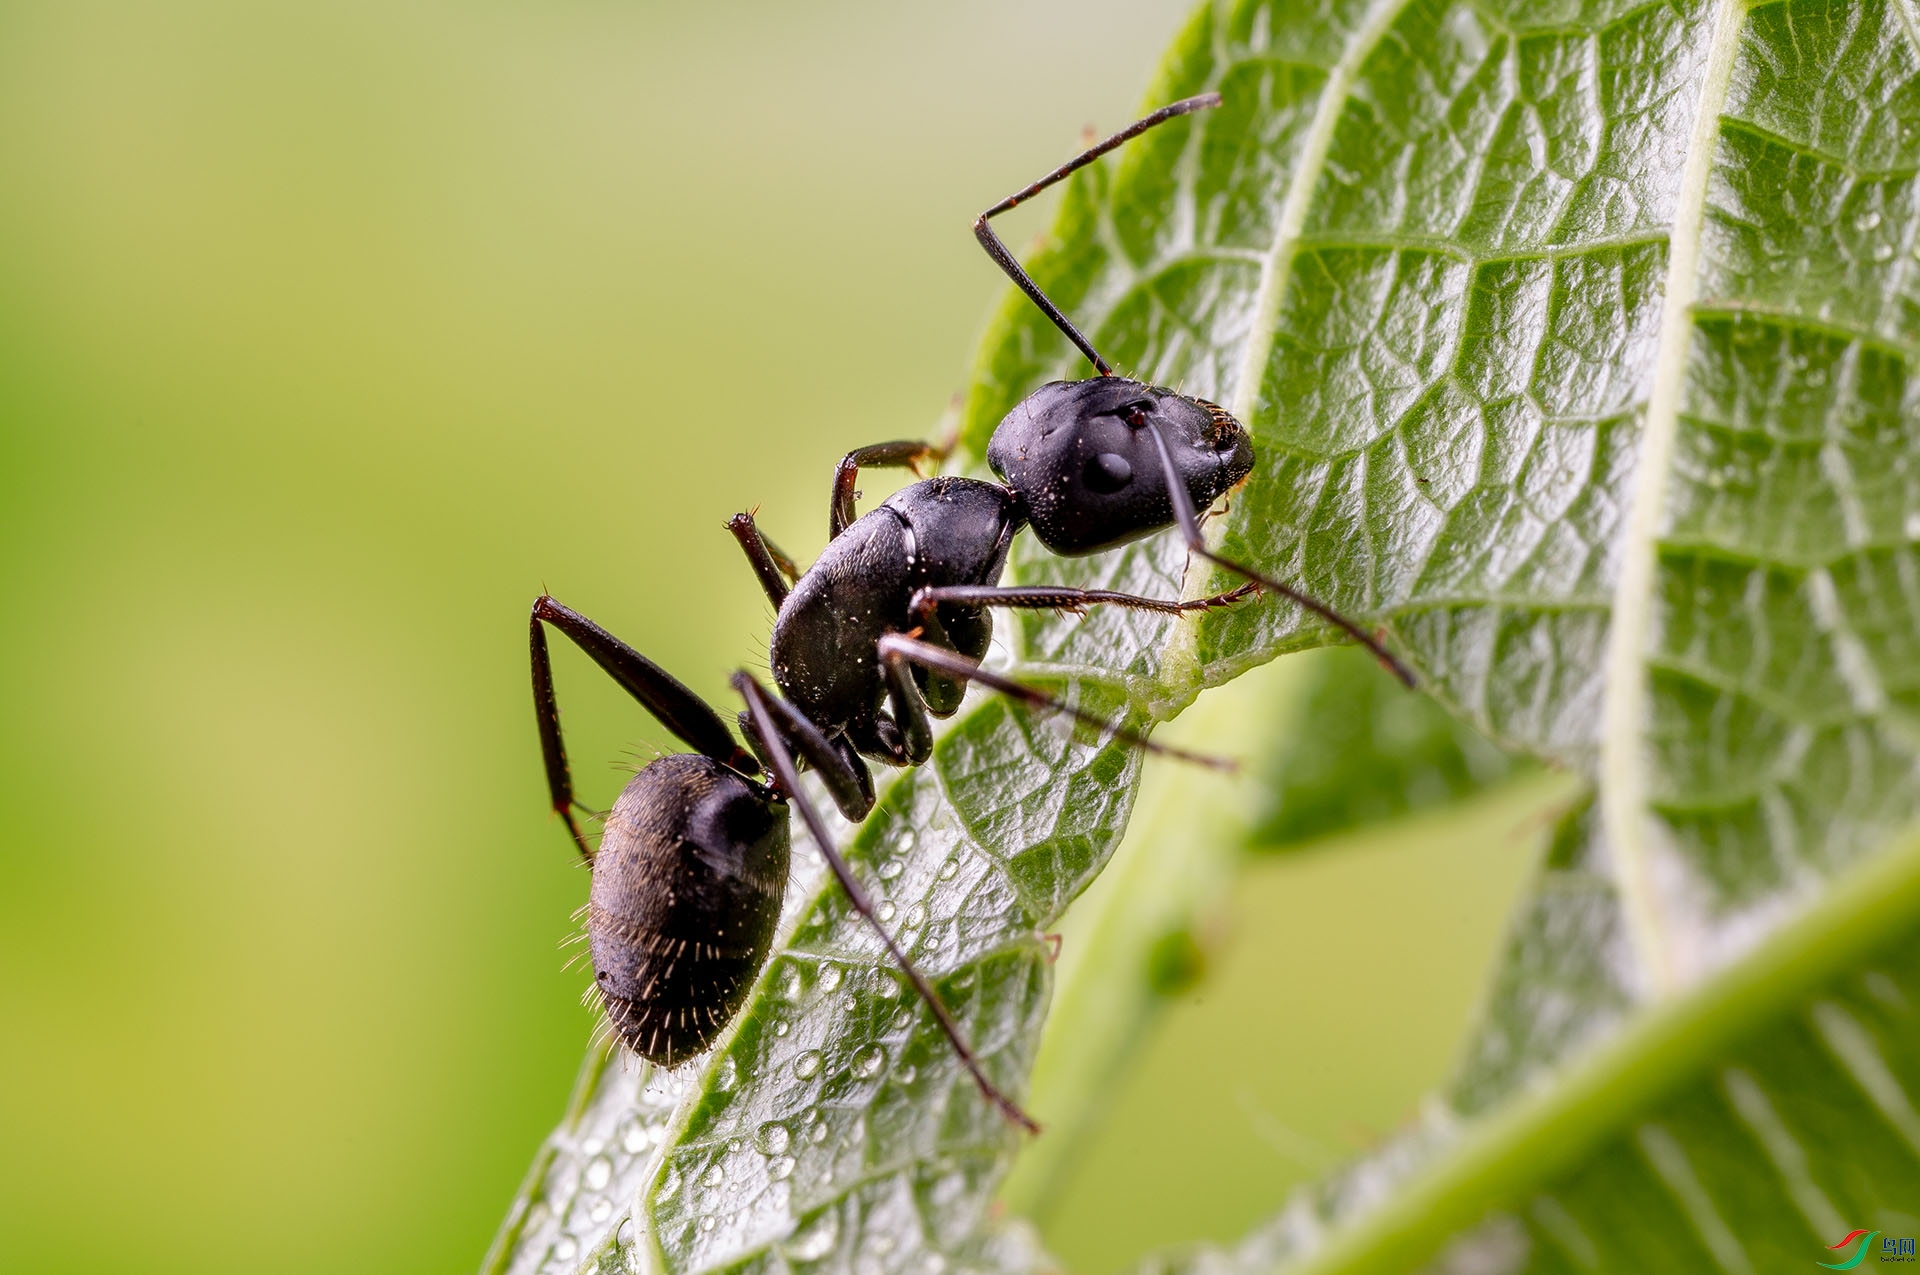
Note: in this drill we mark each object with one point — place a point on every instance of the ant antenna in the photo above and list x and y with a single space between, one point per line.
1005 260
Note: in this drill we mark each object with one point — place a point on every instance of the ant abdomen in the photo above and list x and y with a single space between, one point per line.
687 886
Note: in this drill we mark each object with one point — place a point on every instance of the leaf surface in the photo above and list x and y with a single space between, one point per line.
1576 341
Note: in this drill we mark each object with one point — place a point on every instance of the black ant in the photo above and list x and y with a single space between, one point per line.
881 635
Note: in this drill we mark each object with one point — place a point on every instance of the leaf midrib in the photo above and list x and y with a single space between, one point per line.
1627 704
1558 1123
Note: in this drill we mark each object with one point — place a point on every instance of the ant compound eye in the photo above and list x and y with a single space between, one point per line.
1107 473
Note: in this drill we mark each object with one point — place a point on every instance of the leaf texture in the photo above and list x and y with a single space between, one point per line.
1576 341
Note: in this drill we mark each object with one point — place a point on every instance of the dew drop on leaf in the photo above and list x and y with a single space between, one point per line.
780 1167
868 1061
807 1065
773 1138
890 869
599 1172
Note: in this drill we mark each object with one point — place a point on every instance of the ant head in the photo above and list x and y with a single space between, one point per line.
1081 460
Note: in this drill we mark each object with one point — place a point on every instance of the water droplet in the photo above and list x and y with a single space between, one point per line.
815 1240
726 1074
890 869
773 1138
781 1028
884 910
807 1065
599 1172
830 976
714 1176
1913 525
734 1146
792 982
602 1210
1867 220
564 1249
633 1139
592 1146
849 1003
1882 251
905 1073
708 1222
916 916
902 1018
885 988
868 1061
818 1133
906 841
950 869
780 1167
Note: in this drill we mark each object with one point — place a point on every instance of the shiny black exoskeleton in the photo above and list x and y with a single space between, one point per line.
881 635
886 629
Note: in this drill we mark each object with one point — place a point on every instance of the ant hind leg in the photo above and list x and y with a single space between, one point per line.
766 717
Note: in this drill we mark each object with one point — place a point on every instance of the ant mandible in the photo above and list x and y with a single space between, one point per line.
881 635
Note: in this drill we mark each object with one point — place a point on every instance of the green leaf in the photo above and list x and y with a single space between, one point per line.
1576 340
1359 750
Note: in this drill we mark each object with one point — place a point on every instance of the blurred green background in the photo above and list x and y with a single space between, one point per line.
329 335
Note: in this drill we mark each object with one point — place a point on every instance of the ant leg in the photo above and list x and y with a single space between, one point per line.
1189 524
847 779
759 704
673 705
906 453
1055 598
909 712
775 569
898 647
1005 260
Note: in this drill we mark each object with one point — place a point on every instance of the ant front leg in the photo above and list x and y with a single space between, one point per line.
659 692
769 721
1189 524
906 453
775 569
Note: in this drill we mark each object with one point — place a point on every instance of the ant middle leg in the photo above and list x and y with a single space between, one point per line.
905 453
840 768
897 650
771 723
1061 598
659 692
